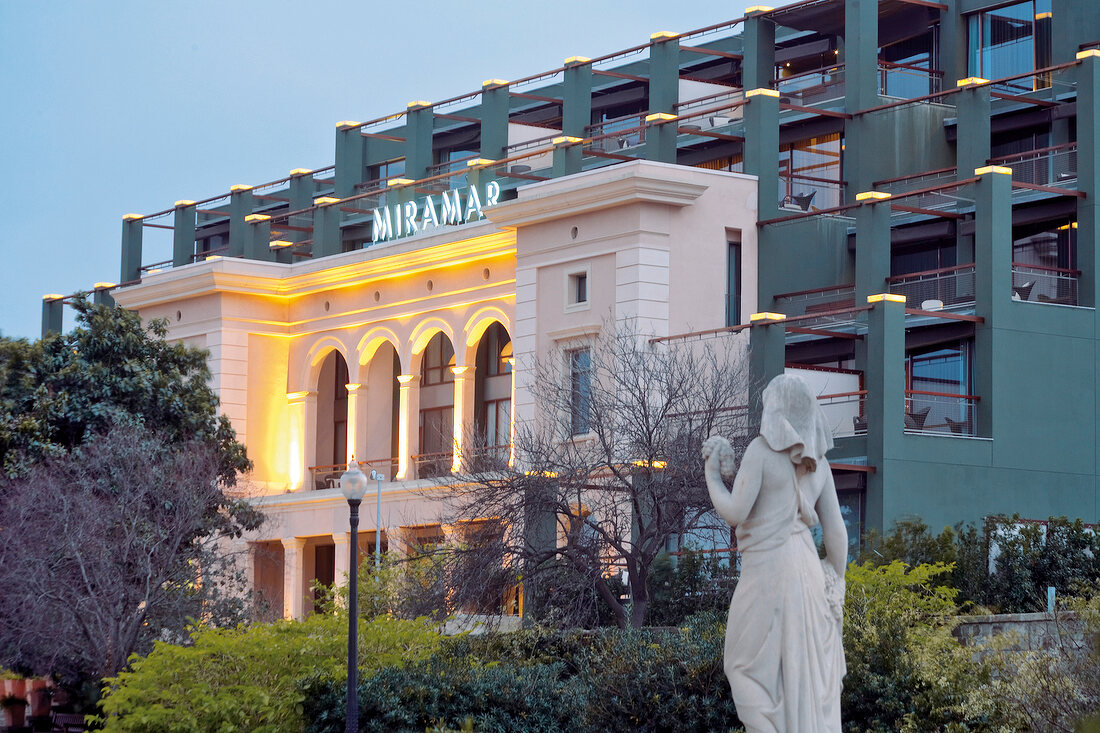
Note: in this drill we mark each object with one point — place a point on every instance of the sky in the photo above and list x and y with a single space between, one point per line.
109 108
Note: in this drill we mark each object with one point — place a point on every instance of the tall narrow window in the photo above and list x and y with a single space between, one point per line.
733 284
1011 40
580 391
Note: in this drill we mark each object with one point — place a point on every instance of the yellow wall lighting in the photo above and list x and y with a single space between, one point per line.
565 139
256 218
758 9
642 463
663 35
479 161
577 60
184 202
971 81
872 196
280 244
544 474
993 169
132 217
300 172
1066 227
1087 53
240 187
494 83
103 285
888 297
399 181
52 296
660 117
418 103
762 92
1043 16
345 124
323 200
766 316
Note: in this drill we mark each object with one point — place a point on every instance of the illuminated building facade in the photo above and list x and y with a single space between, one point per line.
896 199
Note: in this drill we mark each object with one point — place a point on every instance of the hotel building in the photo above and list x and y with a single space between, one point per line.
896 198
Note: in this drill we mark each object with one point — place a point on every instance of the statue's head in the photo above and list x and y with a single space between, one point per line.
793 421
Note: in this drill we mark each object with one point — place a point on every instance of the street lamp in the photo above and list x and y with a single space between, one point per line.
379 477
353 484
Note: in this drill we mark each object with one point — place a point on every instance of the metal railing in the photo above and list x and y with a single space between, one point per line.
844 412
1042 284
915 182
326 476
940 412
818 300
907 81
812 88
935 289
1052 166
804 192
433 465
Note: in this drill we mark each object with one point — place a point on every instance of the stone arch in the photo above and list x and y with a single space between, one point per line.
315 357
475 328
368 346
421 335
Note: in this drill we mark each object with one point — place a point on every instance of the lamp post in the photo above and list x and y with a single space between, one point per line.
379 477
353 484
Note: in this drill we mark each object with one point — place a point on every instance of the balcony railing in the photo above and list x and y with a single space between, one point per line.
907 81
433 465
1042 284
1053 166
935 289
804 192
844 412
818 300
812 88
940 412
326 476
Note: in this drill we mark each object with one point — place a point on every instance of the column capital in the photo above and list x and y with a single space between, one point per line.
353 386
463 372
340 538
406 379
293 543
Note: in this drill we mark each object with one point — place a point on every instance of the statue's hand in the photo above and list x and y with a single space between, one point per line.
713 447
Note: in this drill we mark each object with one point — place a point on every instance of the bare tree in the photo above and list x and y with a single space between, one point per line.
606 473
106 548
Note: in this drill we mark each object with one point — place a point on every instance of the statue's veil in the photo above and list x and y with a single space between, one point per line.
793 421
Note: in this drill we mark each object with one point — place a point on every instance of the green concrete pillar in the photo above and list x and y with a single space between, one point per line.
241 203
1072 23
132 229
576 114
860 55
257 244
326 227
758 61
419 127
884 406
183 234
53 307
872 245
300 192
350 160
762 153
664 93
953 50
767 359
494 119
992 286
1088 176
101 294
973 115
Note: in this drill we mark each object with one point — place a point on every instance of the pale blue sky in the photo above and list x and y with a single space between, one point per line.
108 108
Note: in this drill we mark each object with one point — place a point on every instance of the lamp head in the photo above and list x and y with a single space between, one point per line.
353 483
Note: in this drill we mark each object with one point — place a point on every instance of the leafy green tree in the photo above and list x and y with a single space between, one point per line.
111 368
247 678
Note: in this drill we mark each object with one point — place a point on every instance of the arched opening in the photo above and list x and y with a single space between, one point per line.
493 397
380 412
331 447
437 395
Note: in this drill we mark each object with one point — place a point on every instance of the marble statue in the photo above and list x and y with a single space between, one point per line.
783 652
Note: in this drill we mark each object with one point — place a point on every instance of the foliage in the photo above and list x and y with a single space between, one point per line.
105 544
1057 687
1027 558
595 505
905 670
698 583
551 680
109 369
247 678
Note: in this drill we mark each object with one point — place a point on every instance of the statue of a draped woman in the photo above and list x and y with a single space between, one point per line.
783 653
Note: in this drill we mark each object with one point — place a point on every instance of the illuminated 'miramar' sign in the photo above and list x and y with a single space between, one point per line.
403 219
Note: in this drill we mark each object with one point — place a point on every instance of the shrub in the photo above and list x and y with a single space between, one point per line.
247 678
699 583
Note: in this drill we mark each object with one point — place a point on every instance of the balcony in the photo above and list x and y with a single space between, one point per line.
818 88
940 412
906 81
1053 166
1042 284
844 412
945 287
818 300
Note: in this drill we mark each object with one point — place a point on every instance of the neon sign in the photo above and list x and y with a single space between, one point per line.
410 217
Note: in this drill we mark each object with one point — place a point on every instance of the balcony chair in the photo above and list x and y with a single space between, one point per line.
801 200
958 427
859 424
1022 292
519 168
914 420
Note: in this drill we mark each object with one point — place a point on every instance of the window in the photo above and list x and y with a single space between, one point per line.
497 346
733 284
439 357
580 391
496 419
576 290
809 172
937 387
1011 40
